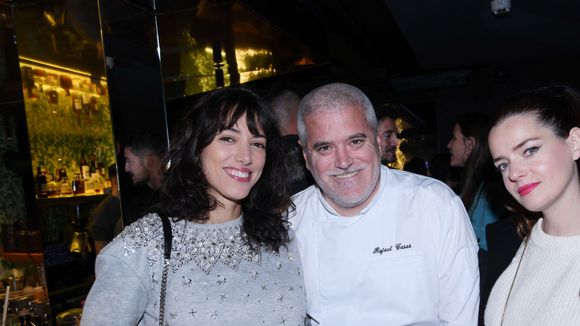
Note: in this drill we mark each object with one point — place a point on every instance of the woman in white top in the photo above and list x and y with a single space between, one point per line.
535 145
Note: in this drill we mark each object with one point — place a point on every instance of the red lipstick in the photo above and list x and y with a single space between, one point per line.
526 189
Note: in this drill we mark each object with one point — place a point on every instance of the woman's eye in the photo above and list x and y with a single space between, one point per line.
226 139
532 150
260 145
502 167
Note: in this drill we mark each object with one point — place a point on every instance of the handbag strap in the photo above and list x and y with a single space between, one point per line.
167 243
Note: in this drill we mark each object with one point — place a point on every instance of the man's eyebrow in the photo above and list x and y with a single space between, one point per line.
359 135
326 143
320 144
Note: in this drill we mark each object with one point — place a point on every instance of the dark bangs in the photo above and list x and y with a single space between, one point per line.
258 116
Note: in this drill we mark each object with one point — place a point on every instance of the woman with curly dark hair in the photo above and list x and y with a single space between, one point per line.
232 259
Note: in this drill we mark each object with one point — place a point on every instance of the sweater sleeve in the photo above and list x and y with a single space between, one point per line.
118 296
458 267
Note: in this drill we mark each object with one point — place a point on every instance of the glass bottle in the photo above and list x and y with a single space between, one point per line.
78 185
85 174
64 184
41 183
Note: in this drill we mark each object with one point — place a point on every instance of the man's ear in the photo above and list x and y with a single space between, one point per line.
574 142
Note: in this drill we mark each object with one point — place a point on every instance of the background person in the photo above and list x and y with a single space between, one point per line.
479 187
284 103
378 246
233 260
107 221
469 150
535 144
143 159
389 133
143 163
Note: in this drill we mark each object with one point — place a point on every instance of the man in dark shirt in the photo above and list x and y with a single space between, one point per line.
143 163
107 221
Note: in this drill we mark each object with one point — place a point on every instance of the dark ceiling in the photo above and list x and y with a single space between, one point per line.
407 50
437 58
394 46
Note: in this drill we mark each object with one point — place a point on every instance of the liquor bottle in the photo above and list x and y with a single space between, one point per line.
53 188
101 169
85 174
77 103
93 166
41 183
61 171
78 185
65 185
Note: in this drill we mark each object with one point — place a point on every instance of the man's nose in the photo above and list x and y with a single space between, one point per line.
343 158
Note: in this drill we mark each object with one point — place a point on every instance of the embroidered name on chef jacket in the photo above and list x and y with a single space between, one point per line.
395 247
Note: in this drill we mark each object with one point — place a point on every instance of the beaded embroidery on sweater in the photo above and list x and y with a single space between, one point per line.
203 246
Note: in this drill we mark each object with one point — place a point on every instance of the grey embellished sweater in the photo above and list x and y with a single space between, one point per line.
214 278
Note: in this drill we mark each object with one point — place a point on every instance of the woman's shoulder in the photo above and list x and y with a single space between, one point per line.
289 249
145 233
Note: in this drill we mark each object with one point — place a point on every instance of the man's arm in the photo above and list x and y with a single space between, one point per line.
458 267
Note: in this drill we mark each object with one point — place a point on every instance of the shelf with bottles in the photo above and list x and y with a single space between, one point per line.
90 180
73 96
67 113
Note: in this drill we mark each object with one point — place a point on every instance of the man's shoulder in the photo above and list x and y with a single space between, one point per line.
303 200
308 194
403 181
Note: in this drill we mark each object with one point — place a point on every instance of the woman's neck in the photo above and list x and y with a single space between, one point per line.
564 219
224 213
564 227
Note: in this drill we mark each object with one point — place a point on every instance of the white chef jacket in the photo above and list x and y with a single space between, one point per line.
409 258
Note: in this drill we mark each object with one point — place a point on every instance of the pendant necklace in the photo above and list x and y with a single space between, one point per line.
514 280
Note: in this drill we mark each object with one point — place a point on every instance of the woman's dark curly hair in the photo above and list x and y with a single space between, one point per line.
185 188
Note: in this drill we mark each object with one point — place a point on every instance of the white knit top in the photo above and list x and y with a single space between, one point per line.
546 290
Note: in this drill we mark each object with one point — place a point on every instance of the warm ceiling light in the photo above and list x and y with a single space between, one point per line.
49 18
